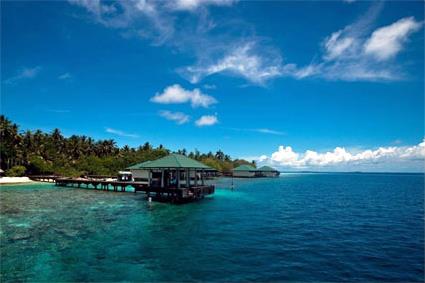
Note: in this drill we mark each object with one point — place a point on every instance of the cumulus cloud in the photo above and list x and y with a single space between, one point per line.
206 120
24 73
175 94
178 117
387 41
286 157
120 133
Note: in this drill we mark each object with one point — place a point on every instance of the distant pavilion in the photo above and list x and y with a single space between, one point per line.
244 171
267 171
248 171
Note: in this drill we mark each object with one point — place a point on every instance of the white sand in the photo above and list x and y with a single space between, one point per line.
15 180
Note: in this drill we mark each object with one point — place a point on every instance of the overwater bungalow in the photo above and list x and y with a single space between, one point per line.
174 178
244 171
267 171
174 172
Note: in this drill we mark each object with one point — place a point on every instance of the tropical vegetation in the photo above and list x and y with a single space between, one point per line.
37 152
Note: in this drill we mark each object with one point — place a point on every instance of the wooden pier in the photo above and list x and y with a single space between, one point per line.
168 194
44 178
172 178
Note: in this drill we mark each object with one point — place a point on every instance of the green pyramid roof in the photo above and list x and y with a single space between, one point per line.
139 165
267 169
171 161
244 168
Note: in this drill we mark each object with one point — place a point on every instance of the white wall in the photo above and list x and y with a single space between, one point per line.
243 174
138 173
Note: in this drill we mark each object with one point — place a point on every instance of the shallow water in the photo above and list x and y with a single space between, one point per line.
299 227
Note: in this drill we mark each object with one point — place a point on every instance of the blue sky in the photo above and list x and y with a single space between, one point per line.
244 77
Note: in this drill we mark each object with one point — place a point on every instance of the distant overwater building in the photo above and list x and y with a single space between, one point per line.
244 171
248 171
267 171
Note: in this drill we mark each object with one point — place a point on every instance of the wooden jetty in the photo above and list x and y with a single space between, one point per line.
44 178
171 194
175 178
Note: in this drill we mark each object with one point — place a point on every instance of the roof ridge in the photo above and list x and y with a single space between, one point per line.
177 161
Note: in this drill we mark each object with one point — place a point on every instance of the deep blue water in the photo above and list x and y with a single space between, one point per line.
299 227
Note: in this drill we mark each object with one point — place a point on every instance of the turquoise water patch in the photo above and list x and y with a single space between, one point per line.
299 227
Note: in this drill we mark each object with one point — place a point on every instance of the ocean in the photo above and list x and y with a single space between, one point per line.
298 227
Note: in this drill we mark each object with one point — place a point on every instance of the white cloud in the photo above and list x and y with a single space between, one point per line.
178 117
120 133
144 18
194 4
387 41
357 53
259 130
351 53
94 6
269 131
285 156
337 44
176 94
340 158
244 61
24 73
150 19
346 55
208 86
206 120
58 110
65 76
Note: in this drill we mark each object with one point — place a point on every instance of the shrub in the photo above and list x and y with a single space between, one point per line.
39 166
16 171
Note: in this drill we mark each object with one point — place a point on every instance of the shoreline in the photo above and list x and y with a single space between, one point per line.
4 181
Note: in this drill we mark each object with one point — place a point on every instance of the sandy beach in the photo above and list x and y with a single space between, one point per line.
15 180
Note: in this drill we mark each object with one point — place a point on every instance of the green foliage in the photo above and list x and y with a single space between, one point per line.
52 153
16 171
38 166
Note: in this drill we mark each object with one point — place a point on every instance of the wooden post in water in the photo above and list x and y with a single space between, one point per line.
178 178
149 177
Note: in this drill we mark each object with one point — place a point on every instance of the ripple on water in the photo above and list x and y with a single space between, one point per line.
301 227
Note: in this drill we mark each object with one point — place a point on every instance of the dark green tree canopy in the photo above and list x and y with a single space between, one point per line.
52 153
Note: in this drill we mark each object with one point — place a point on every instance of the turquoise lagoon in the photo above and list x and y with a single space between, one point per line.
298 227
